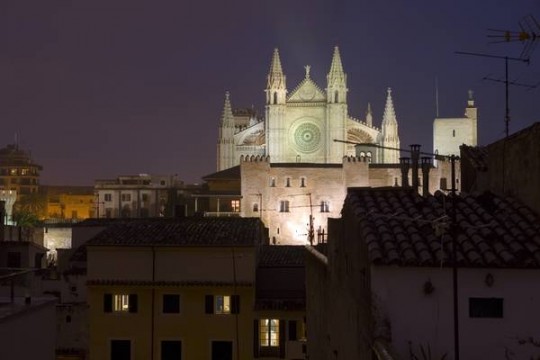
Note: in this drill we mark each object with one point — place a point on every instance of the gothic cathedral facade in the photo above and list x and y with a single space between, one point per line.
302 126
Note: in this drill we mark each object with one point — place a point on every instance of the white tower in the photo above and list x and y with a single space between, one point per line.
276 97
450 133
226 147
336 110
390 137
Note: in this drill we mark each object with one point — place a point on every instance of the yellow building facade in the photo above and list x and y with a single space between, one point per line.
185 289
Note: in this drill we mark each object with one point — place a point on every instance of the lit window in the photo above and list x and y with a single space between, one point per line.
222 304
324 206
12 171
24 171
120 303
269 333
235 205
284 206
108 197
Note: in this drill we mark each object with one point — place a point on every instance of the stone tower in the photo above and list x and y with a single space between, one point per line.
389 132
450 133
276 97
336 110
226 147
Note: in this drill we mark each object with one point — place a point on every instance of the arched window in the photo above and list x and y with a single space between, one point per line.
453 133
275 97
336 97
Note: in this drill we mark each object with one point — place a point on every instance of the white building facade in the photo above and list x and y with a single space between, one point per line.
133 196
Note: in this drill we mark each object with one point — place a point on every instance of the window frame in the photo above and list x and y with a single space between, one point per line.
213 307
177 306
325 206
284 206
120 340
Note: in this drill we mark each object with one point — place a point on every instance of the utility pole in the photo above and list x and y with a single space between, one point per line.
415 152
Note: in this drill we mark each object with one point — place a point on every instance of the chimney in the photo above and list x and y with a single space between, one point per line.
415 157
404 164
426 166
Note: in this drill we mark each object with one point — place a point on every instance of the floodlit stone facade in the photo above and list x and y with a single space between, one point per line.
301 126
295 200
450 133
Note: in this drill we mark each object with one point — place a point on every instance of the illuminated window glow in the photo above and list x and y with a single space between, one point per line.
269 333
235 205
222 304
120 303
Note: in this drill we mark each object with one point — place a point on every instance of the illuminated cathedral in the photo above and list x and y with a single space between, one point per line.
300 126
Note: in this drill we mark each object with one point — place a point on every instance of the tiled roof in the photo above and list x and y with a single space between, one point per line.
282 255
107 282
230 173
476 155
192 231
403 228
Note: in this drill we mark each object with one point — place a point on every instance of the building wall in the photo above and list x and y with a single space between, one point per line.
317 308
264 186
450 134
29 334
513 167
192 326
427 319
172 264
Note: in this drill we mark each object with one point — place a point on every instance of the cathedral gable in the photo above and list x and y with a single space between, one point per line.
307 91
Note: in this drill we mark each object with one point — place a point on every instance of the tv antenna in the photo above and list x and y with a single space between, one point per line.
505 81
529 34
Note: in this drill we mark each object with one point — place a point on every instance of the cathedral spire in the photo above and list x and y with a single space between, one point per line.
369 115
276 88
336 80
336 69
389 116
226 149
389 129
227 117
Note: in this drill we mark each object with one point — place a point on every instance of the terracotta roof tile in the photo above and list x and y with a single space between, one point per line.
282 255
404 228
192 231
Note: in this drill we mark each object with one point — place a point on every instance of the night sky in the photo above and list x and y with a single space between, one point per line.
100 88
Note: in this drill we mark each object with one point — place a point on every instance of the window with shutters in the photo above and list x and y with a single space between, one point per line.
269 337
171 304
222 304
120 303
